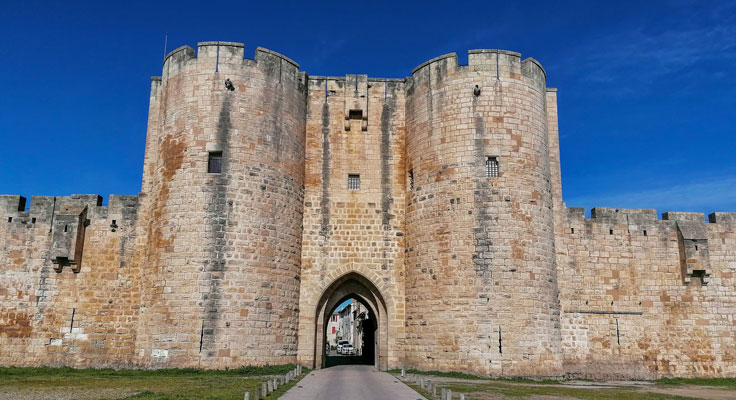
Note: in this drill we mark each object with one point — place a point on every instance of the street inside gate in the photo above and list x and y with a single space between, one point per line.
350 335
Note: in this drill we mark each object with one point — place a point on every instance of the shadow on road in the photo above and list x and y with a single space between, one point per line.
331 361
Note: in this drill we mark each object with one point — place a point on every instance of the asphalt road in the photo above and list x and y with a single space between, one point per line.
350 382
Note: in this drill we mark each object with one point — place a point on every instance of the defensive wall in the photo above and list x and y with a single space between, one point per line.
268 196
647 297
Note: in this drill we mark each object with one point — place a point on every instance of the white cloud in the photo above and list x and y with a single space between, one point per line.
657 48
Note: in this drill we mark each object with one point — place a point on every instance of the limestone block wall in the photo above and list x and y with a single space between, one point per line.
222 252
355 125
50 317
481 279
491 275
628 309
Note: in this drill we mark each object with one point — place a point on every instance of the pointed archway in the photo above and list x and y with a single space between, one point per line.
353 285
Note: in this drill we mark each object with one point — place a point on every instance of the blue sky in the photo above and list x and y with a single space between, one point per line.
343 305
647 89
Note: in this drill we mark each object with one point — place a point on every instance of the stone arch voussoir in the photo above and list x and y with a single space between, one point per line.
363 272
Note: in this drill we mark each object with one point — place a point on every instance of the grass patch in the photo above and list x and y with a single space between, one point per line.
74 372
177 384
462 375
497 389
723 382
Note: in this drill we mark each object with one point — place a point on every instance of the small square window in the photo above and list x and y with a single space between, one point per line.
353 182
214 164
491 167
411 179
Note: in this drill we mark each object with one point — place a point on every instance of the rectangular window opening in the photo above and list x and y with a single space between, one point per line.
33 220
645 232
10 219
411 179
353 182
214 163
355 114
572 230
491 167
610 231
698 276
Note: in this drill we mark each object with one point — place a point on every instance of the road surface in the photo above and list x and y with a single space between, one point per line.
354 382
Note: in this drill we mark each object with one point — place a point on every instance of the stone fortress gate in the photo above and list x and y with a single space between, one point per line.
269 196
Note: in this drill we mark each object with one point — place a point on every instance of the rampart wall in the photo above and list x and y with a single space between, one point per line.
645 298
52 315
456 235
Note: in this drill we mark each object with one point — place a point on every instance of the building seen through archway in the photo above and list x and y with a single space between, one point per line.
350 335
351 314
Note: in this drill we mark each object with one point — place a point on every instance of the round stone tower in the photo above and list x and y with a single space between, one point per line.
223 185
481 280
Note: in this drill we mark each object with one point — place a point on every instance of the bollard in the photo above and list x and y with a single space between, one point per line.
449 394
286 377
256 394
275 384
443 394
462 396
246 396
269 386
421 383
434 390
403 372
264 389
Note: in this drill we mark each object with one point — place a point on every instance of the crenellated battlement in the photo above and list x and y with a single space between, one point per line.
42 208
626 216
503 64
217 56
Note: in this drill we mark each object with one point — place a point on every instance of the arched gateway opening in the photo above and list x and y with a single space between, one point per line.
373 322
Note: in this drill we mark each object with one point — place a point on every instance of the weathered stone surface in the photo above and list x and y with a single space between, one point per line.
463 271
